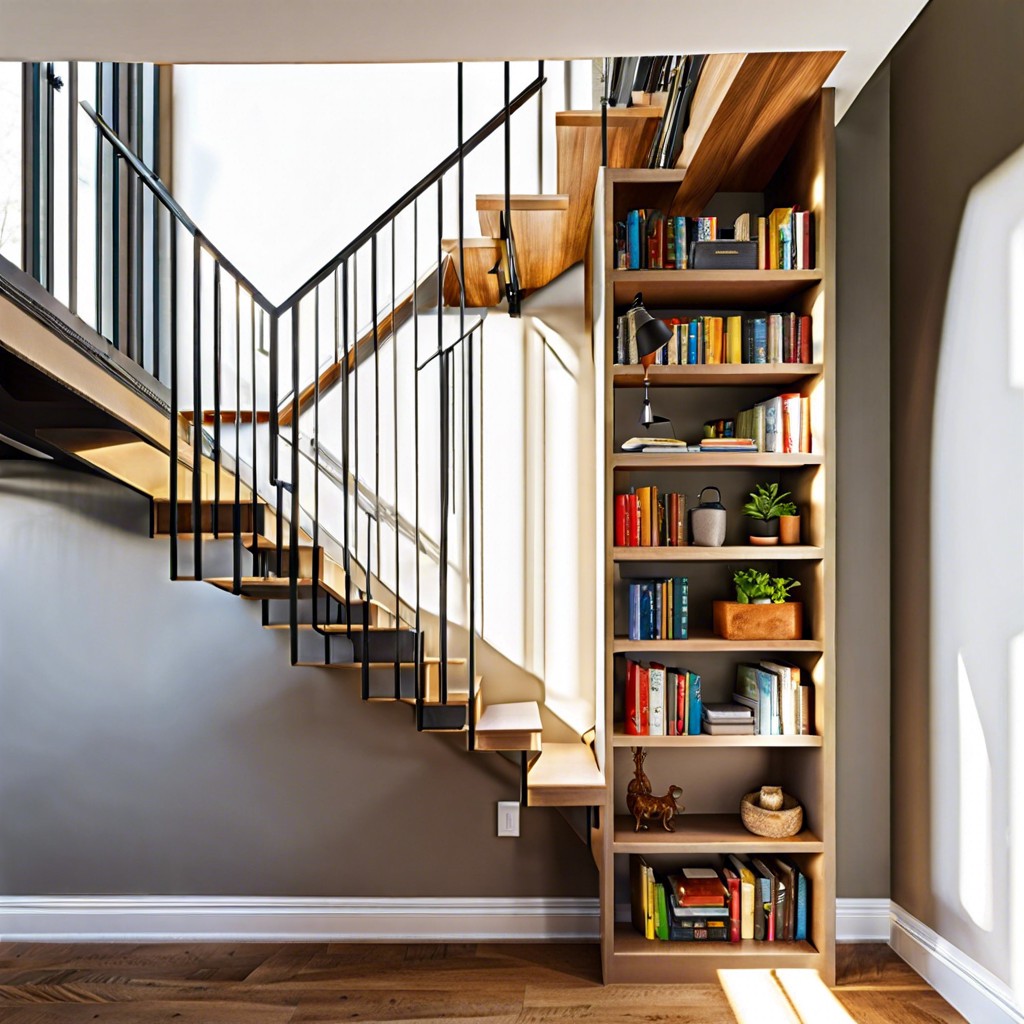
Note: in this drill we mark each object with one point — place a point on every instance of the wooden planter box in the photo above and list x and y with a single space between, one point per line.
735 621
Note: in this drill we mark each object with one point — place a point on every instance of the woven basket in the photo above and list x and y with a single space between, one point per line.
772 824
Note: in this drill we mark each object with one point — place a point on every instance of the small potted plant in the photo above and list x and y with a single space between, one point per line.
763 510
762 609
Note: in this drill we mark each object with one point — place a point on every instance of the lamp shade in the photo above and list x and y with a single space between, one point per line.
650 333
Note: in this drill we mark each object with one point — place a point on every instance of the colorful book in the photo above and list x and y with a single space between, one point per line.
694 702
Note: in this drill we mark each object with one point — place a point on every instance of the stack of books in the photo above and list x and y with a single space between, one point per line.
729 444
728 720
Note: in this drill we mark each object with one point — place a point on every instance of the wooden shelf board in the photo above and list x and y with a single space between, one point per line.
710 287
730 553
621 739
719 375
705 640
715 460
630 943
706 833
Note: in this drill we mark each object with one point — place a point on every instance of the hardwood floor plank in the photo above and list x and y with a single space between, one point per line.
471 983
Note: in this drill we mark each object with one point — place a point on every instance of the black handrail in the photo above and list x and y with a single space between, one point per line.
428 180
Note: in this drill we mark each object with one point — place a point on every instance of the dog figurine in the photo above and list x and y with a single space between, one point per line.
647 808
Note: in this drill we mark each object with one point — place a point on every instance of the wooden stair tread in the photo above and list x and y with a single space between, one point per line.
515 726
480 255
565 775
496 202
390 664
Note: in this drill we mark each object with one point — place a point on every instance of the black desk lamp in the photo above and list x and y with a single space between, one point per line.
651 334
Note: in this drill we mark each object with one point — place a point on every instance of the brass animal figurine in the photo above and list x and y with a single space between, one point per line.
647 808
639 784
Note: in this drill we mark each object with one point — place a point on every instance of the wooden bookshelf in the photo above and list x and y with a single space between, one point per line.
800 171
725 375
729 553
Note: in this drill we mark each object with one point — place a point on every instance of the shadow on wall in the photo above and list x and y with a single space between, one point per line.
977 560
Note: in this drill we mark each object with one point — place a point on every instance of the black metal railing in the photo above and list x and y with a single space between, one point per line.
314 410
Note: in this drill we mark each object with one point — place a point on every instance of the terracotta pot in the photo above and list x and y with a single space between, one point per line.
789 529
735 621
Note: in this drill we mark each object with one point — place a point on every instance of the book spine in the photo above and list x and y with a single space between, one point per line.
694 711
805 425
621 501
656 700
633 239
735 909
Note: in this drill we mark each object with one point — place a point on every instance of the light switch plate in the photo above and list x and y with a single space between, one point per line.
508 818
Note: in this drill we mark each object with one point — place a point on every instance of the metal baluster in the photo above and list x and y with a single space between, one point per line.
365 670
115 210
99 207
275 430
345 447
394 413
376 402
471 506
293 525
155 271
355 379
256 531
197 409
172 488
417 660
236 508
216 398
604 115
316 473
442 581
73 186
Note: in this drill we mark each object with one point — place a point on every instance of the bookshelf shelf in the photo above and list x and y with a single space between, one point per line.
630 943
716 460
706 833
730 553
710 287
795 170
621 739
722 375
703 640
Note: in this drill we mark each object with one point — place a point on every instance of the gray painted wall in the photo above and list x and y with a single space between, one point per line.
862 486
154 739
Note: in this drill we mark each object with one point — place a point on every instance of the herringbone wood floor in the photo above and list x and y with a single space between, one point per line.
474 984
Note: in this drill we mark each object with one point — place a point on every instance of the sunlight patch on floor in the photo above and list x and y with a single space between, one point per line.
781 997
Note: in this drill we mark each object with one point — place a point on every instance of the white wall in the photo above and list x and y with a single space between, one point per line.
978 585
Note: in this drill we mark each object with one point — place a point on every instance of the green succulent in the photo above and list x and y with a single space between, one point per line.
752 585
766 503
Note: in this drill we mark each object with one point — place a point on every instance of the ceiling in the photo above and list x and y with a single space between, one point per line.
380 31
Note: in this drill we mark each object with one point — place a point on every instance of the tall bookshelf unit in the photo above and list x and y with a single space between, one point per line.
715 771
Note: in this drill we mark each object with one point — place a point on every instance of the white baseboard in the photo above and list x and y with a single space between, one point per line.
286 919
860 920
975 992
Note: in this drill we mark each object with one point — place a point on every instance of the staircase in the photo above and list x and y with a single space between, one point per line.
287 454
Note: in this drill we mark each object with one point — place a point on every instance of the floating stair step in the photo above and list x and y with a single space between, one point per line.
509 727
496 202
212 516
565 775
266 588
450 717
276 614
384 644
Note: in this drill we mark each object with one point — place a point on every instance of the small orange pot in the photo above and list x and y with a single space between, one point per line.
789 529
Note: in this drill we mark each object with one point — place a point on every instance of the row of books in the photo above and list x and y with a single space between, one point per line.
663 81
779 703
759 338
649 240
780 424
645 518
765 899
659 609
785 238
662 701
